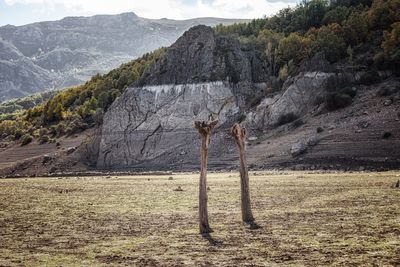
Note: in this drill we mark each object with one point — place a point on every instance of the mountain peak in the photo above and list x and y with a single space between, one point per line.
129 14
200 55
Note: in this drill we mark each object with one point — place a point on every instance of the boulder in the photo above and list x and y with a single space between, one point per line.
46 158
312 140
71 150
298 148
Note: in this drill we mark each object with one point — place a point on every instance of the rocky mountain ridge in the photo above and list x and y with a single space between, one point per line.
56 54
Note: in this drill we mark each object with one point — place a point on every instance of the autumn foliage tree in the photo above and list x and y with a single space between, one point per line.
391 45
330 43
294 47
84 101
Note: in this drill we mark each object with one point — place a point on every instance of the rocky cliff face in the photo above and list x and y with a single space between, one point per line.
46 55
201 75
299 96
201 56
154 124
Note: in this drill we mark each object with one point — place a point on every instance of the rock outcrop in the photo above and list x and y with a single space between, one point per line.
201 56
201 75
299 96
155 123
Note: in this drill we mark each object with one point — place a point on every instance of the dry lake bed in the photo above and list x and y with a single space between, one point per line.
305 219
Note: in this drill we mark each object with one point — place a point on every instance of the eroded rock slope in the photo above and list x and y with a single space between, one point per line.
152 122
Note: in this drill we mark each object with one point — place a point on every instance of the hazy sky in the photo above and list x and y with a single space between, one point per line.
19 12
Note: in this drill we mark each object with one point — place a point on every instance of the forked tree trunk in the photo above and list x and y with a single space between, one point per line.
240 135
204 129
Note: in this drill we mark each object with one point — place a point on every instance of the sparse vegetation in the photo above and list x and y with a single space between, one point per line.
340 98
306 219
77 108
336 100
11 109
386 135
44 139
387 90
370 77
26 139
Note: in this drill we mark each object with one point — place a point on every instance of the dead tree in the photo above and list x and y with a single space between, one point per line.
204 128
240 135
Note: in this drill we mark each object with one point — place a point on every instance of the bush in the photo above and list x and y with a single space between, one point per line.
336 15
349 91
44 139
97 116
75 124
286 118
383 13
294 47
386 135
26 139
328 42
391 47
43 131
379 61
241 118
60 128
387 90
370 77
336 100
18 134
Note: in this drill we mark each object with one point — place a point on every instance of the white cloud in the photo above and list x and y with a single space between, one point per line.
236 9
173 9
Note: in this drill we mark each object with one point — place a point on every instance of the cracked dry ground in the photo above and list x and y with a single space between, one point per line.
306 219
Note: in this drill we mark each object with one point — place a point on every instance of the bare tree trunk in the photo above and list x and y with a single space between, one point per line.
240 135
204 129
203 213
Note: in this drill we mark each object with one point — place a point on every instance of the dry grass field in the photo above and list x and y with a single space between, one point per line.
306 219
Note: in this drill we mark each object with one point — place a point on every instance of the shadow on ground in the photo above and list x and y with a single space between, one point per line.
211 240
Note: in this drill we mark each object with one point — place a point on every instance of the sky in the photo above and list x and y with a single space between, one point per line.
20 12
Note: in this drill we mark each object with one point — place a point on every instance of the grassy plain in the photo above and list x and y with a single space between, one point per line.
305 218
